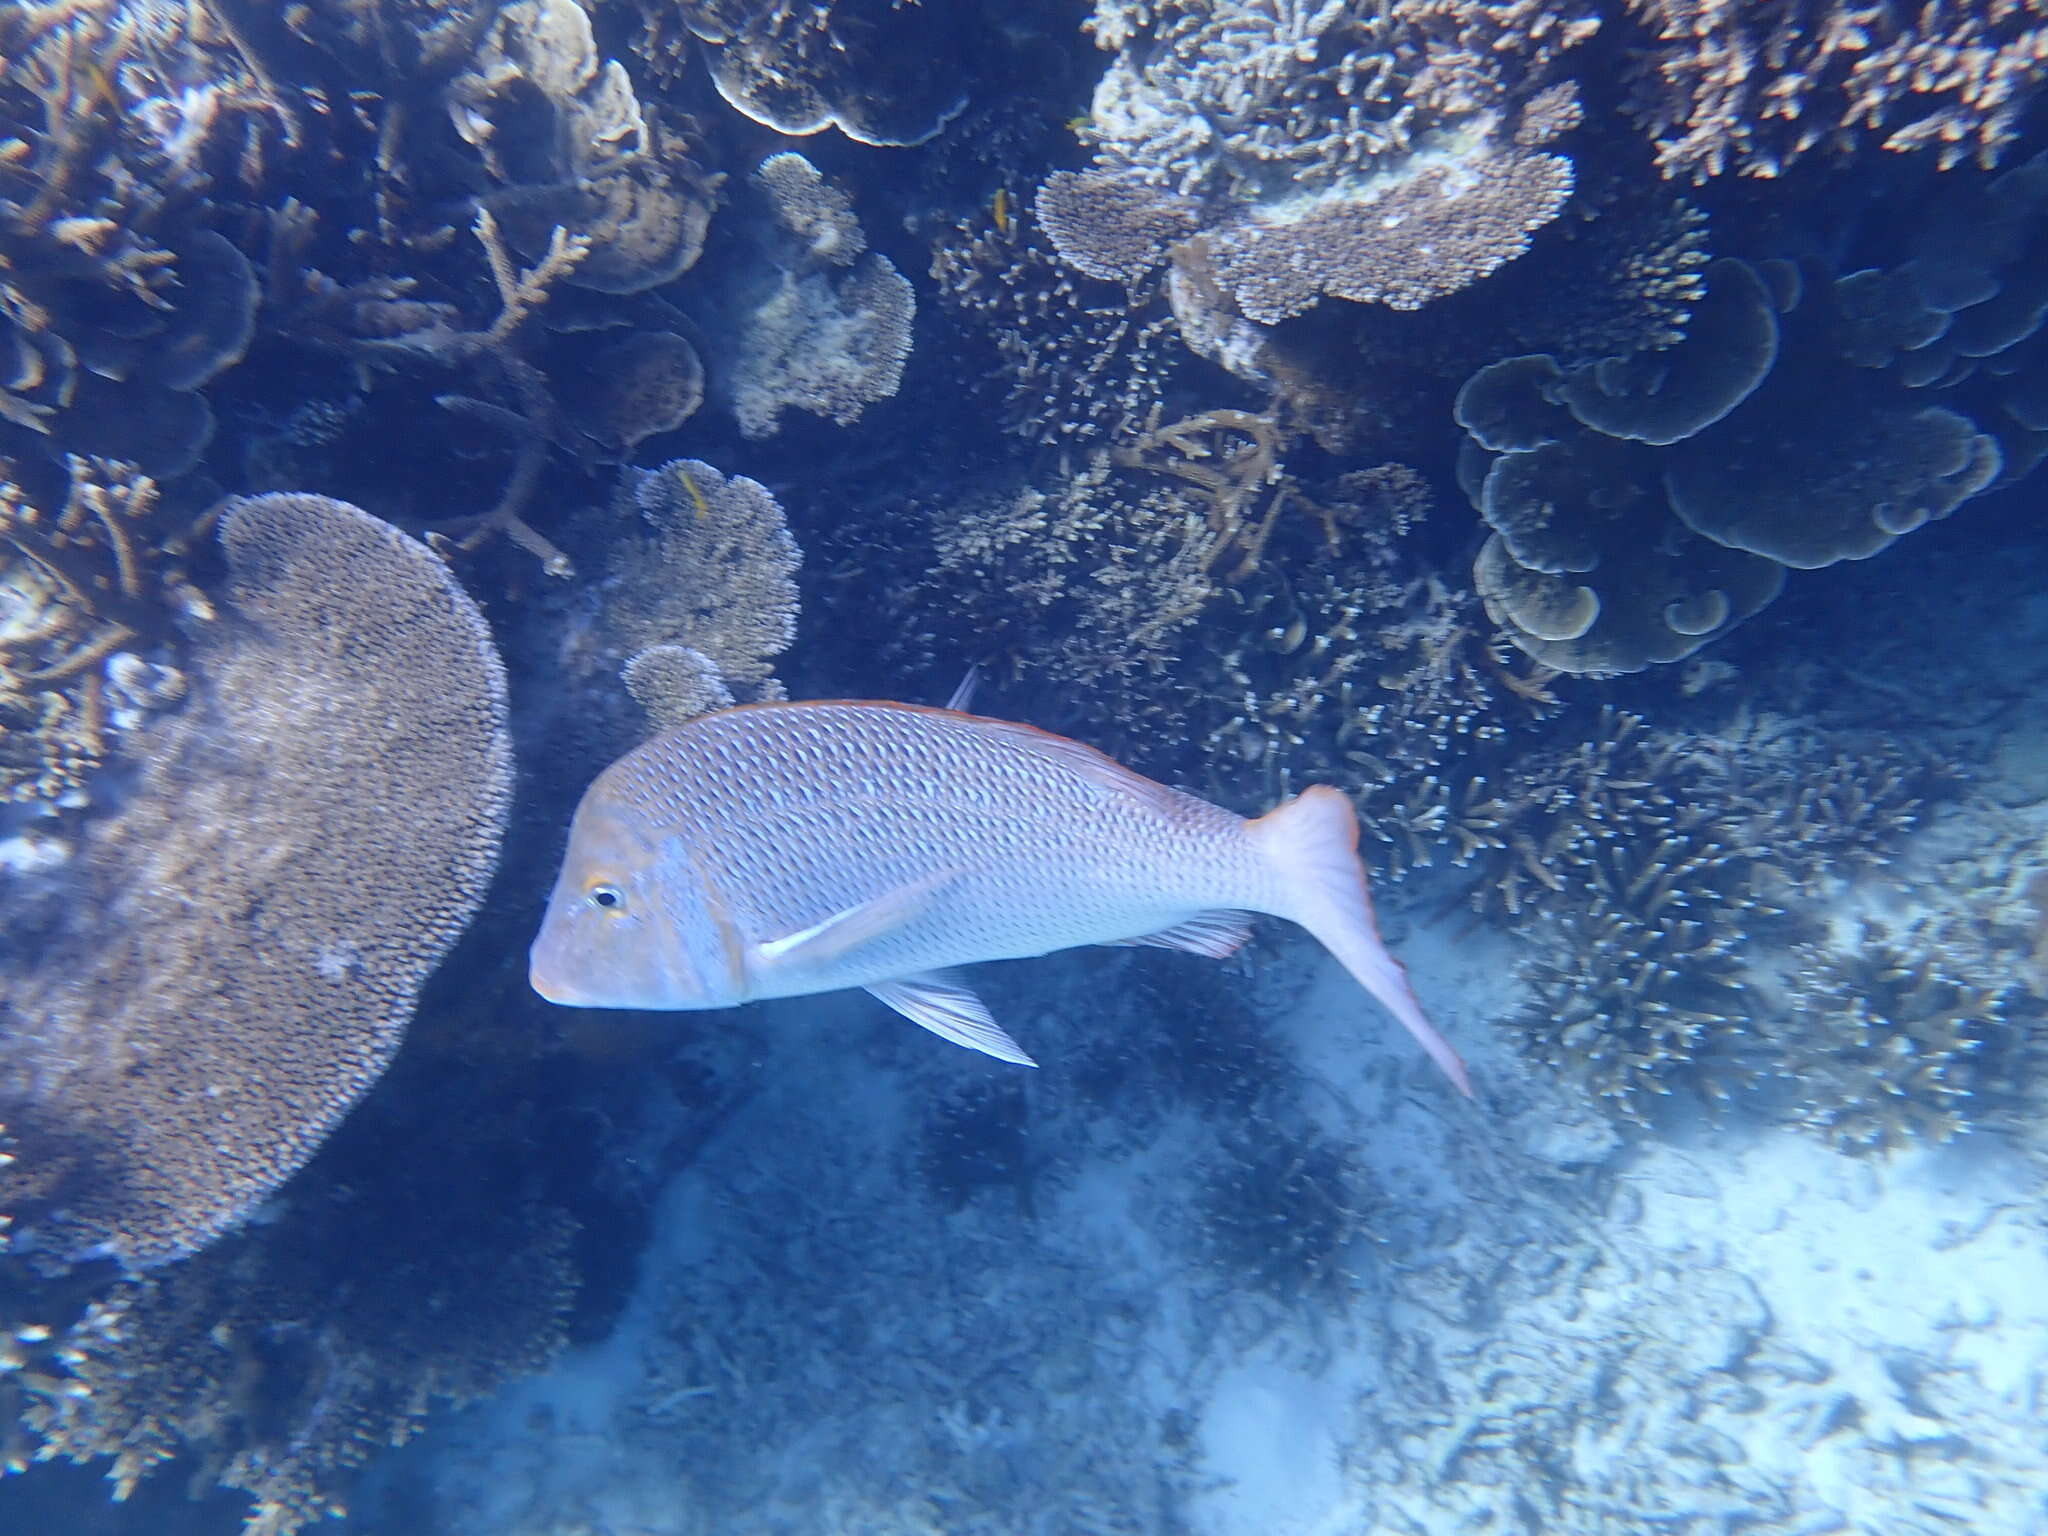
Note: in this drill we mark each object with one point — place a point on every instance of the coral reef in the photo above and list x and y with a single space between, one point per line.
1076 363
231 957
704 561
1642 507
824 341
118 301
1662 865
1886 1047
1753 88
106 573
1290 152
1281 1214
404 1272
860 66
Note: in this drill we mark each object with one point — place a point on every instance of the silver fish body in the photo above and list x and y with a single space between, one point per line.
777 850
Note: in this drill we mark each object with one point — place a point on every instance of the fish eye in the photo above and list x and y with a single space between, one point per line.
609 897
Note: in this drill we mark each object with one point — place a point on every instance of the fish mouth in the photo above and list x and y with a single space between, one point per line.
551 986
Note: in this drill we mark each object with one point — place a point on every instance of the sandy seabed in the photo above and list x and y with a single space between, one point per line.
1501 1318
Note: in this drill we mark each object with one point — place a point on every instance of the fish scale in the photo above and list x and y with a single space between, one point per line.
778 850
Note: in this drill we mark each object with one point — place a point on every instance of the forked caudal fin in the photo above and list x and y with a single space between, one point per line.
1312 842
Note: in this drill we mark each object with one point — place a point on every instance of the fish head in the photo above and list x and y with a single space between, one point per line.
629 924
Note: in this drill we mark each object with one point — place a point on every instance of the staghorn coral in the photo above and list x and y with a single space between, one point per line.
861 66
1885 1047
1076 364
1665 862
232 955
1291 152
1753 88
103 574
830 342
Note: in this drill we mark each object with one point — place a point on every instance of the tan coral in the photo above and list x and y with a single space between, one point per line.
704 561
232 956
828 345
1739 86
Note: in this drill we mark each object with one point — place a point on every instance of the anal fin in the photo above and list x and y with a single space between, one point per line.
946 1008
1215 934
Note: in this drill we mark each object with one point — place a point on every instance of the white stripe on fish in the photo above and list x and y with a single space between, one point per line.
778 850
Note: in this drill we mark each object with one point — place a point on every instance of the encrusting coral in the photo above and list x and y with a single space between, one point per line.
231 957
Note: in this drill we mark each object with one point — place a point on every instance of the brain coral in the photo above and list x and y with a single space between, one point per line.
231 958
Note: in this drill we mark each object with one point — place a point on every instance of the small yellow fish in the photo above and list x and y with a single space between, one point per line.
1001 209
778 850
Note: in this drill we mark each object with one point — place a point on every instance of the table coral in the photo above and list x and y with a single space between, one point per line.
232 956
1303 151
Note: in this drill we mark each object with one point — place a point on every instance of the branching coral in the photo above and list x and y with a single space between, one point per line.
103 574
232 956
1734 85
1076 364
1666 860
1884 1046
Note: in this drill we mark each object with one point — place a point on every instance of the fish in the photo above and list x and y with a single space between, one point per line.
791 848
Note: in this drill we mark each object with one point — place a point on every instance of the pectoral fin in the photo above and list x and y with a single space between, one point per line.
946 1008
845 930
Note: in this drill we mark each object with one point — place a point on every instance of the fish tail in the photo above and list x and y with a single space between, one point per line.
1311 842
